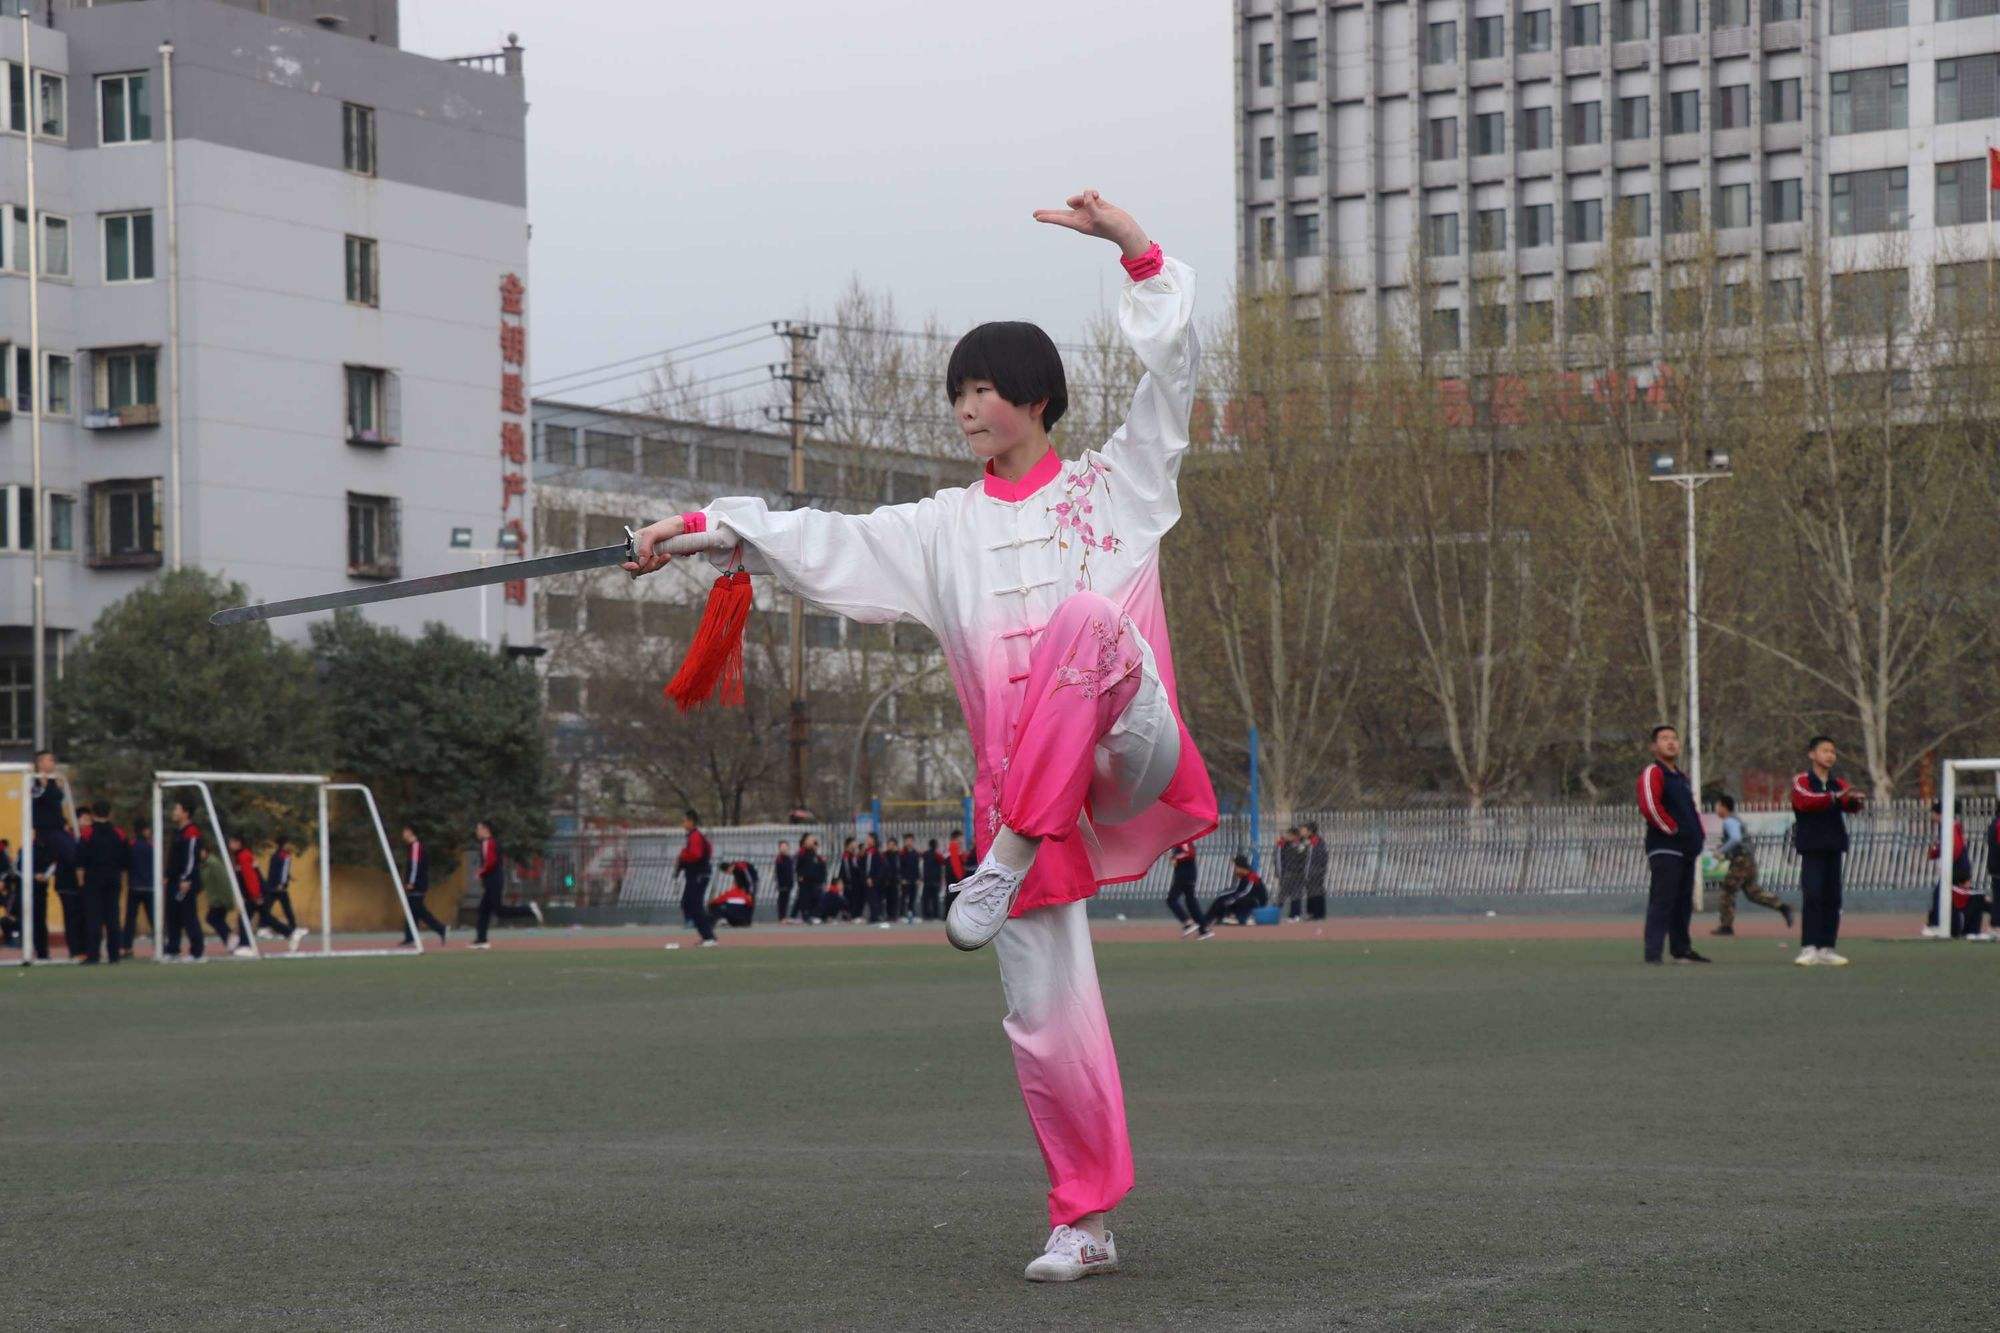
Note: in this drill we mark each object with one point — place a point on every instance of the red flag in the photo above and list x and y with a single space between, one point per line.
1993 167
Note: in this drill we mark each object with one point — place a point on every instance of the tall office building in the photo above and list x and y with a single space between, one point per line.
1509 138
281 310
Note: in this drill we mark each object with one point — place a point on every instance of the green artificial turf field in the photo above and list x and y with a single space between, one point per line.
1412 1135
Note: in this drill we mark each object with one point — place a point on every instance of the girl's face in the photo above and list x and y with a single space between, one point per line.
992 425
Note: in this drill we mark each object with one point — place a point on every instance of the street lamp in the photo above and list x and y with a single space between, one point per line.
1666 467
509 545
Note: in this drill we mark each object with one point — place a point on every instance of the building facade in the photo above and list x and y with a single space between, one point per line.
1511 139
274 256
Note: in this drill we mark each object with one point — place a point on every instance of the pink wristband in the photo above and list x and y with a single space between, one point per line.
1146 265
694 522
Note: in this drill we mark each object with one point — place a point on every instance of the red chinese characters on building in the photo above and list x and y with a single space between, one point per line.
513 434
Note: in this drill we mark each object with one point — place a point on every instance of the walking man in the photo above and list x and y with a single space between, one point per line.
783 871
1181 900
696 863
1673 849
1741 877
139 881
1316 870
417 884
492 883
1820 805
278 893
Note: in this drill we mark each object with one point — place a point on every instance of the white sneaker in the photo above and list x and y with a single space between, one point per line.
536 908
709 944
1931 933
1982 936
1807 957
1828 958
480 944
298 937
1071 1254
243 951
984 899
1188 930
266 933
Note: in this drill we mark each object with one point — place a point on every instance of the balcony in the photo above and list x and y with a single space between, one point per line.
122 418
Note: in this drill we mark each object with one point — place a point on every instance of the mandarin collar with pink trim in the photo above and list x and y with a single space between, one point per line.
1040 475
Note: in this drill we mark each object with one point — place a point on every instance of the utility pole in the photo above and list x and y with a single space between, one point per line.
799 374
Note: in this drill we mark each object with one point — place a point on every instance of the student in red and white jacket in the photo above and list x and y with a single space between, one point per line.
416 884
492 883
1674 838
697 861
1968 909
1181 899
1821 803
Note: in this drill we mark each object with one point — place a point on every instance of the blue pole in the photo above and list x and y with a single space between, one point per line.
967 823
875 814
1256 820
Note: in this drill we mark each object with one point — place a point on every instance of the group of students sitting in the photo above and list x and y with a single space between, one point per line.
1970 909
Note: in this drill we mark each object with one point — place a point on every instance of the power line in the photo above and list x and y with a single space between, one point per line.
649 356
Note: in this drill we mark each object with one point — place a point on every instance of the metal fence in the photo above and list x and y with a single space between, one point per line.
1531 858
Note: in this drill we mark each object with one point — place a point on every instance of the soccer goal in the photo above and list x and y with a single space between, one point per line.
1954 769
323 788
16 786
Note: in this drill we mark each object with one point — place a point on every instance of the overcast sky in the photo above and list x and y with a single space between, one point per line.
693 168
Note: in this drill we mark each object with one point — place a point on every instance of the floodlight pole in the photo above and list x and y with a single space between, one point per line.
1690 482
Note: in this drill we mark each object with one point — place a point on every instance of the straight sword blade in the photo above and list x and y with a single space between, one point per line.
598 557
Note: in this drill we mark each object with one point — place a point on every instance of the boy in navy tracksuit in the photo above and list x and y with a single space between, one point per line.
139 881
1820 805
1240 897
1181 900
184 885
1673 849
417 883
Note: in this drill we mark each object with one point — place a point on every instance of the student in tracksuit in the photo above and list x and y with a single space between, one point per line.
416 884
879 869
696 863
909 870
933 873
1316 869
810 868
1181 900
1820 805
954 866
1674 839
101 855
784 872
1968 909
834 901
1241 897
184 884
278 893
139 881
492 883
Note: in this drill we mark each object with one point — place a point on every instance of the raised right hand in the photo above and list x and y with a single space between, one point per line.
647 543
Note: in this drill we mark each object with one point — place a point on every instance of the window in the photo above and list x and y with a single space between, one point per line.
62 521
1441 43
1267 64
17 692
124 523
1781 101
14 239
1305 154
1636 310
1267 236
662 458
1304 236
1628 21
1305 59
363 277
1532 34
565 692
1536 322
1635 216
357 138
1730 13
555 528
1874 301
1586 220
1441 235
1581 26
24 379
1870 201
607 449
128 247
1732 206
1489 324
1489 230
56 400
368 414
714 462
1635 117
1784 300
1489 37
773 472
1586 122
1732 305
124 109
1267 158
1784 201
1680 18
603 529
51 103
1961 193
1489 134
374 536
1537 225
1780 11
1876 99
1683 211
1586 316
1968 88
559 444
1732 107
1537 128
1868 15
125 377
557 610
1441 143
1441 331
1964 292
55 246
1684 112
1948 10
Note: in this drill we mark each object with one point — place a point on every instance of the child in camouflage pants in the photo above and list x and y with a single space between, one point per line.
1742 874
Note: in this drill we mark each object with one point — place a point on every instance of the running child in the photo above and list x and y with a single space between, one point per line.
1042 583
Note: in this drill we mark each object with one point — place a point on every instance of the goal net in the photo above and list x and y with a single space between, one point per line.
195 792
1962 781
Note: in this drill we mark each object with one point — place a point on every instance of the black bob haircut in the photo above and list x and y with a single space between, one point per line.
1020 360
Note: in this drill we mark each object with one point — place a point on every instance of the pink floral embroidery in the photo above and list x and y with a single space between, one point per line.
1073 516
1103 667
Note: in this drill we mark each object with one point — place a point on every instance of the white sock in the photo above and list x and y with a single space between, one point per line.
1013 852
